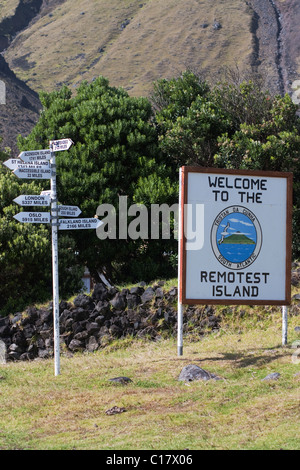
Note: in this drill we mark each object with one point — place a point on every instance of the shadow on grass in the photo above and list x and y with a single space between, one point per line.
246 359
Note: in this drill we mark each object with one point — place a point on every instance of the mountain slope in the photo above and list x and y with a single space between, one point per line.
47 43
134 43
20 105
21 109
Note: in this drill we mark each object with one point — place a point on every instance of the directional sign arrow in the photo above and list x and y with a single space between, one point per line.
62 144
34 166
33 173
32 200
79 224
35 155
12 163
33 217
15 163
46 193
68 211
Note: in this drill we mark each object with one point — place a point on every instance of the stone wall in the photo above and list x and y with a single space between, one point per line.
92 322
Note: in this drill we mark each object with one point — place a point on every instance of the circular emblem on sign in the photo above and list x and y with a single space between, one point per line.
236 237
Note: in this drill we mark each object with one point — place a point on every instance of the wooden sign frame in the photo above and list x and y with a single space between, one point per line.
184 298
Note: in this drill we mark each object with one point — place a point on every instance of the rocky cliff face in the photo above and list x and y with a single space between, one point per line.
273 28
20 107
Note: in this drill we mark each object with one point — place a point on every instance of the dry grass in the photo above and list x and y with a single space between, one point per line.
7 8
163 38
40 411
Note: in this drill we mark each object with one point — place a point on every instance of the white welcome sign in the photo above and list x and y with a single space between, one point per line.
243 255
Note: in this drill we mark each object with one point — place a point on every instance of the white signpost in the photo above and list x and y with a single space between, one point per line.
33 217
68 211
60 145
32 156
33 172
235 240
35 164
12 163
32 200
46 193
17 164
79 224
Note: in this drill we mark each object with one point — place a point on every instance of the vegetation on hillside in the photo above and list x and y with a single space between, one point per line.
132 43
133 148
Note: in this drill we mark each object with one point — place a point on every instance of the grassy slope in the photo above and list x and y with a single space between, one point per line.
40 411
163 38
7 8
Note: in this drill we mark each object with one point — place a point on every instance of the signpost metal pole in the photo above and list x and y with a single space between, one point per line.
180 306
54 227
284 325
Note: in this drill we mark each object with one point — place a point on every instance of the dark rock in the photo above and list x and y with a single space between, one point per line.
80 314
137 290
45 334
14 356
30 316
148 295
76 345
100 292
192 372
63 305
27 356
4 331
45 316
217 25
133 300
65 315
273 376
121 380
19 339
14 348
115 410
159 293
83 301
81 336
69 324
297 329
100 320
118 301
43 354
92 344
77 327
114 330
103 308
112 292
29 331
92 328
173 291
124 24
